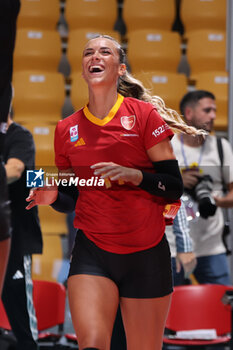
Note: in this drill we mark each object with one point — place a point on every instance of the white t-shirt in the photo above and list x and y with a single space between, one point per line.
207 233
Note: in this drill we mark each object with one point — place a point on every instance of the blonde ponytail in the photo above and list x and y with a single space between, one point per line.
128 86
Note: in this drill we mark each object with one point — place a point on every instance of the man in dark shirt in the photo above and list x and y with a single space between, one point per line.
9 10
19 155
4 224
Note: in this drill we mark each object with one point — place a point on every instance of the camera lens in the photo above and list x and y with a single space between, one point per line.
206 203
207 207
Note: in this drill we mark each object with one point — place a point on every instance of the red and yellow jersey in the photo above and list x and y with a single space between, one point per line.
118 217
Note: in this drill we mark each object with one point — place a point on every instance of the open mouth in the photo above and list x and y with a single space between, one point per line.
96 69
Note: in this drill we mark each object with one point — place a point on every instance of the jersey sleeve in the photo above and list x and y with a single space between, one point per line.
156 129
61 159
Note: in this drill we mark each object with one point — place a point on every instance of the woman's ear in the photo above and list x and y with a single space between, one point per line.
122 69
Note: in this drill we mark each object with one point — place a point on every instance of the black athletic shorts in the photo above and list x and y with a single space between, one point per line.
144 274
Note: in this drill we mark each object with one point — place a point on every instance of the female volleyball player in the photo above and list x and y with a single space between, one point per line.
121 254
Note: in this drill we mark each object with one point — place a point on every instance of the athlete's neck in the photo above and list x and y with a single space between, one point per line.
101 102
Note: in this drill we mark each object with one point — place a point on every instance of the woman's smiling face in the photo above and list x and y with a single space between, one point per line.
100 62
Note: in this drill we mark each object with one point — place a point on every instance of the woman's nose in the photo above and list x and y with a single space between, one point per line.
96 55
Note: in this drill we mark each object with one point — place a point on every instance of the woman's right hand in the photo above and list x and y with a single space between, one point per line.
42 196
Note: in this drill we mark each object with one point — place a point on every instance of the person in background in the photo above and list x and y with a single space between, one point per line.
121 254
9 10
181 246
19 156
5 239
203 179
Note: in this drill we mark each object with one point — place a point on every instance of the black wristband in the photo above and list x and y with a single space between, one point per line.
66 199
166 182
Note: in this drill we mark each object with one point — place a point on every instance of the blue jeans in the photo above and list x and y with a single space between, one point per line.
213 269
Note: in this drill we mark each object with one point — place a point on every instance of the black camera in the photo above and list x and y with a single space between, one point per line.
201 193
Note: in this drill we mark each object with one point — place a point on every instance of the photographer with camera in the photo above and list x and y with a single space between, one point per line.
203 173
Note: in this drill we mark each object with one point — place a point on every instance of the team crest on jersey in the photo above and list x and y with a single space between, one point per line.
128 122
74 133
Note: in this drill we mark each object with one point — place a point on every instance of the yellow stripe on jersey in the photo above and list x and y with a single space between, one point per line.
110 115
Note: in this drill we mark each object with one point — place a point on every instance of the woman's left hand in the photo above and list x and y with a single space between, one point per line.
117 172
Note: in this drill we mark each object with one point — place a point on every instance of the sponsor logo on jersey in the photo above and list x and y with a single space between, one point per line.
128 135
171 210
80 142
128 122
74 133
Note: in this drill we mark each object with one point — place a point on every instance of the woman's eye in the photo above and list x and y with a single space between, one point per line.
106 52
87 53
